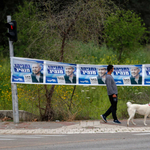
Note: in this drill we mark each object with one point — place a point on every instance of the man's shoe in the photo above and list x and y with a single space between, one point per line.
117 122
103 118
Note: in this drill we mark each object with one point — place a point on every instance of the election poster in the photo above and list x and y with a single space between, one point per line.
60 73
24 70
146 70
35 71
92 74
128 75
123 74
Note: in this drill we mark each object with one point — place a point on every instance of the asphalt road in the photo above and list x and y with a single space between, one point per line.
102 141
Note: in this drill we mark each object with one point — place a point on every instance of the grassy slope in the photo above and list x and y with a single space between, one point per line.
89 101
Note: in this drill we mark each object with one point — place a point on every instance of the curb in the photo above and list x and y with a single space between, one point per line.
78 129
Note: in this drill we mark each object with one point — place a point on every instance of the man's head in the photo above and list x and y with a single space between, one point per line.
102 71
36 68
135 71
69 70
110 68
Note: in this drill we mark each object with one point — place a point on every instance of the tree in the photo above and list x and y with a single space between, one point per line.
141 7
123 32
81 21
47 34
38 33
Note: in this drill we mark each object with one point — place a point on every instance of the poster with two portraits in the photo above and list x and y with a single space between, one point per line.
35 71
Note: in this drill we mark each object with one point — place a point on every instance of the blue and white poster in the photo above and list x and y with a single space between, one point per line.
146 70
24 70
127 74
122 74
92 74
60 73
34 71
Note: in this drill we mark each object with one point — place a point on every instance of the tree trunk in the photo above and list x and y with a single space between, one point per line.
72 97
49 114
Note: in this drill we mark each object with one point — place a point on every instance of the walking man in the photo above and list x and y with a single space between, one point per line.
112 93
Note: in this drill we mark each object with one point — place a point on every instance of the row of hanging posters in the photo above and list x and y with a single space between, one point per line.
35 71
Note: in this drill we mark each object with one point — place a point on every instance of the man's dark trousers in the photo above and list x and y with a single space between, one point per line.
113 108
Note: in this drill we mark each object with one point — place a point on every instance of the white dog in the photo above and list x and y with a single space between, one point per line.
137 108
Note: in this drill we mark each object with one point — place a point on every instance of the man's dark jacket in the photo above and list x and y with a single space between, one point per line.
68 81
35 80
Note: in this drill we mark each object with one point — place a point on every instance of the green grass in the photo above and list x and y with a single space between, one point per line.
88 101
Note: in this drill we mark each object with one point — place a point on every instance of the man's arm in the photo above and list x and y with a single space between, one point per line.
109 87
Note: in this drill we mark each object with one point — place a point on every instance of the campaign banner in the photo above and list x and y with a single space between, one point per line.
60 73
123 74
128 75
24 70
34 71
146 70
92 74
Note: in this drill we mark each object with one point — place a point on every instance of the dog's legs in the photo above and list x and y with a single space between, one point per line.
131 116
132 121
128 122
145 120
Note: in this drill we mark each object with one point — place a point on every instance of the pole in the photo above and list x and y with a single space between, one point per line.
13 85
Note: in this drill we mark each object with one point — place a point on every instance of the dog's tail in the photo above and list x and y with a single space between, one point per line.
129 104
